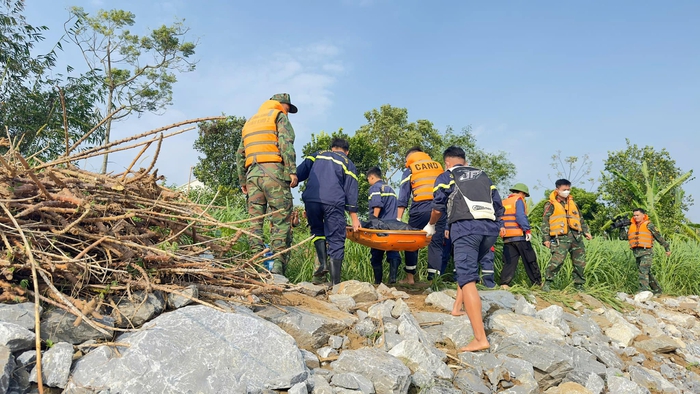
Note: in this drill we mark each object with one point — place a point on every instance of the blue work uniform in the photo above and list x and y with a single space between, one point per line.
486 263
419 217
382 196
472 239
331 189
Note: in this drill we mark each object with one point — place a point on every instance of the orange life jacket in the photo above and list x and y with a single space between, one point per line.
424 170
563 219
512 227
639 235
259 135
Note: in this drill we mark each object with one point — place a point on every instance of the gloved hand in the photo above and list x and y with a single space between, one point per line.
528 236
429 230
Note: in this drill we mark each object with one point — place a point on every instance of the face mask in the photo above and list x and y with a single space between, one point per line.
564 193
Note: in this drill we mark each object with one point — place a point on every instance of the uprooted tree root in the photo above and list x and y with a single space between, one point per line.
75 236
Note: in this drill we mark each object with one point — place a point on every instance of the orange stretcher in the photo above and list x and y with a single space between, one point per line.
398 240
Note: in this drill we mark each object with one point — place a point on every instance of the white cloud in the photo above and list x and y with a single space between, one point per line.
308 73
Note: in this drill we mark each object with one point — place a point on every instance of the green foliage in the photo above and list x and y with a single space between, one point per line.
626 185
138 72
593 211
497 165
218 140
389 130
31 90
363 153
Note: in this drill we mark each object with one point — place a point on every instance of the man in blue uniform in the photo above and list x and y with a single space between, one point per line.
417 185
382 205
474 211
331 189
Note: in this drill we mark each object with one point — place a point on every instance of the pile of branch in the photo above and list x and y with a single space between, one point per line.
66 228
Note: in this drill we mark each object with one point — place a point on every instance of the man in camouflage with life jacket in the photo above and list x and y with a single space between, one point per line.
641 236
563 230
266 163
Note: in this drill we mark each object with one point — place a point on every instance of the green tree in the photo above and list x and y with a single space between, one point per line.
138 72
218 140
625 184
592 210
33 94
648 196
497 165
390 132
363 153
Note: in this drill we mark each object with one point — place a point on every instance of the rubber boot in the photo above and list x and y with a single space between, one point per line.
393 270
335 266
321 254
378 274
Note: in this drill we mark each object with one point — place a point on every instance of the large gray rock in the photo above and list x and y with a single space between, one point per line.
523 372
622 333
382 310
55 365
176 301
138 310
16 337
554 315
353 381
359 291
388 374
365 327
311 330
310 360
7 366
651 379
343 301
310 289
440 300
494 300
677 318
57 325
470 382
551 363
299 388
457 329
604 354
409 328
582 324
522 307
400 308
622 385
585 364
195 349
419 359
595 384
662 344
441 387
320 385
20 314
525 328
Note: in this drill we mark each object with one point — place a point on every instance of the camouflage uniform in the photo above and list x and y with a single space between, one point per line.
571 243
645 257
269 186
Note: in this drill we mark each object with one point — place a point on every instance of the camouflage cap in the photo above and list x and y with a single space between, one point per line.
284 99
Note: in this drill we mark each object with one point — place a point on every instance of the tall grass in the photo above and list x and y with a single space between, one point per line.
610 265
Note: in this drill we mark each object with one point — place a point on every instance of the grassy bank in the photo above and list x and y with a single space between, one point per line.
610 264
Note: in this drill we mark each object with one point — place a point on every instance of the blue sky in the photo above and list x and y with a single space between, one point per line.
531 78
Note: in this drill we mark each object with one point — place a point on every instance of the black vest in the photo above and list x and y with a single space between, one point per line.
471 198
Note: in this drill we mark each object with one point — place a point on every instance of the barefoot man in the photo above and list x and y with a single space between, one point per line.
474 211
